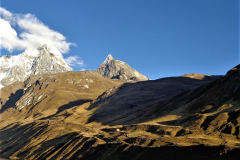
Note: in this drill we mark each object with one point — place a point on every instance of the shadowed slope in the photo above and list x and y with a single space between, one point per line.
126 104
79 115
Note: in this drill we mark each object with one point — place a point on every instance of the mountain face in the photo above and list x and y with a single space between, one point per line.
137 99
116 69
81 115
19 67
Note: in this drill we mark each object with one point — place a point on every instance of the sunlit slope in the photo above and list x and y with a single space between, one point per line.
45 95
79 115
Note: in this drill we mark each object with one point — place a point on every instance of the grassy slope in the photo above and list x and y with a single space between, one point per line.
134 121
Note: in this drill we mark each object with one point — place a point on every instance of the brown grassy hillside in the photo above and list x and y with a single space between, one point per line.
79 115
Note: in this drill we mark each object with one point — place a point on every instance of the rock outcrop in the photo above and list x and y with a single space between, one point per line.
116 69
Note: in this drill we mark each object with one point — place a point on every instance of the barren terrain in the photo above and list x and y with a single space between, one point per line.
80 115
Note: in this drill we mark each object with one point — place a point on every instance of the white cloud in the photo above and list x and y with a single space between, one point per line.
74 61
34 34
9 39
6 14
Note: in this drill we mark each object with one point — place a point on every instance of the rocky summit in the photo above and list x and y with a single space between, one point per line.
19 67
106 114
116 69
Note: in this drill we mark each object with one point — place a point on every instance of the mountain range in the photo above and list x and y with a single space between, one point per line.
20 67
114 112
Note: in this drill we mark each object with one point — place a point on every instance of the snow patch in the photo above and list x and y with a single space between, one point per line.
122 62
2 76
85 85
1 86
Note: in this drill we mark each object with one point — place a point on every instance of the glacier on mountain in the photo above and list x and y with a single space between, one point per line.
19 67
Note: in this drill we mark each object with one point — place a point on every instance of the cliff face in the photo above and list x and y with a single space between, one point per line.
19 67
116 69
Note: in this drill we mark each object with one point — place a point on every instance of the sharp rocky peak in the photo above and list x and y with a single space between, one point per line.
107 60
116 69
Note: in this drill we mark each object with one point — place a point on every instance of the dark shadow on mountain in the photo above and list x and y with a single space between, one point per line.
13 98
83 146
72 104
139 102
73 145
68 106
9 137
119 152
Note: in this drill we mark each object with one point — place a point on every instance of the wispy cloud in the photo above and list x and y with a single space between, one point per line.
74 61
33 34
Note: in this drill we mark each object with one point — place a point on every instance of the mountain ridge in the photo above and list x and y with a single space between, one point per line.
80 115
20 67
60 114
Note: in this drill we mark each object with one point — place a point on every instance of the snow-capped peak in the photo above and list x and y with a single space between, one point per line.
109 57
19 67
107 60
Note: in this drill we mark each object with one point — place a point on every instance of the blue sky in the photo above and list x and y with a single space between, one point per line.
159 38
